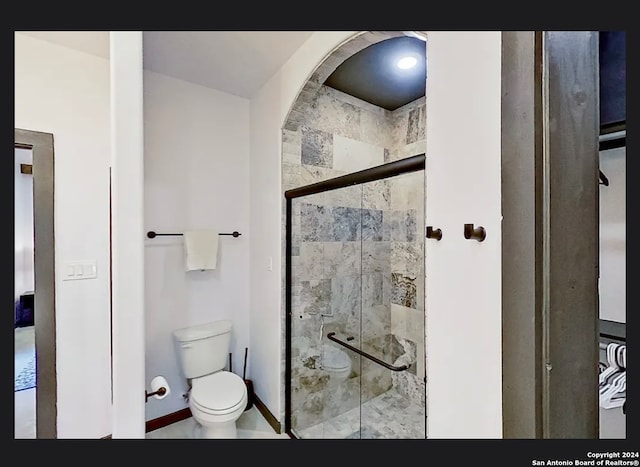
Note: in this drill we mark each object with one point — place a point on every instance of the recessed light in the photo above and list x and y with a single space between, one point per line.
407 62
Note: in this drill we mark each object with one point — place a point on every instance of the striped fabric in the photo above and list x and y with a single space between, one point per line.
613 378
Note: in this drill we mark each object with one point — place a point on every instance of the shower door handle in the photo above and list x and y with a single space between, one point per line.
366 355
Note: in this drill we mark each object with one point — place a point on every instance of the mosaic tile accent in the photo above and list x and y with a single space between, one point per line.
403 290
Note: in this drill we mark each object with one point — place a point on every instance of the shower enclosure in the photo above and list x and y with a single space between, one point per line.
355 336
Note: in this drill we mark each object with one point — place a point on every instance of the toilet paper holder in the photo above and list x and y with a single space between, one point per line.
160 389
160 392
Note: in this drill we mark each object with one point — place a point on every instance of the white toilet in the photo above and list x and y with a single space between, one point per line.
335 362
217 397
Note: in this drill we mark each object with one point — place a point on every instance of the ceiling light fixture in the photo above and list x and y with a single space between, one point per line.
407 62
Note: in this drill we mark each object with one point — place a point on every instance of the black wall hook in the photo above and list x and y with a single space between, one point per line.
477 233
436 234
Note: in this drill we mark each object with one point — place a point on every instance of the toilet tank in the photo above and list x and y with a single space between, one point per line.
204 348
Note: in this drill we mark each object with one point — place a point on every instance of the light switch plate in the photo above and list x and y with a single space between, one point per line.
76 270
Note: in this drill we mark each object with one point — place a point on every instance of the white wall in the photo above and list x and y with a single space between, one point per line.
127 206
613 243
269 109
66 93
23 224
463 277
196 177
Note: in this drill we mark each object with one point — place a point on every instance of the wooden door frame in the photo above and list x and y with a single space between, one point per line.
550 234
41 145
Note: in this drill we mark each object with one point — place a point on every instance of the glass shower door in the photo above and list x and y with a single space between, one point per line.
326 285
392 318
356 325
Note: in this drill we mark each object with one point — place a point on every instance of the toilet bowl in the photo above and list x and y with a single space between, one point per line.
216 402
336 362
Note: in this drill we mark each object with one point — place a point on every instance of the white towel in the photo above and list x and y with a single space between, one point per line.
200 249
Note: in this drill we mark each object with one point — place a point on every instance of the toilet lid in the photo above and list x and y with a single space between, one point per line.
219 391
335 359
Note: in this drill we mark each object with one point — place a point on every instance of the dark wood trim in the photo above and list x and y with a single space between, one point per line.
571 223
42 146
268 416
169 419
26 169
521 204
288 304
166 420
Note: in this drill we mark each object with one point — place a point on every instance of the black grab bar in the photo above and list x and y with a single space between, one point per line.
370 357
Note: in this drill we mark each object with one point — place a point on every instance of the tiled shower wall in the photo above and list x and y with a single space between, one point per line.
357 252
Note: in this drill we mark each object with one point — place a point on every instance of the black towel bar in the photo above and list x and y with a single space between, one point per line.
152 234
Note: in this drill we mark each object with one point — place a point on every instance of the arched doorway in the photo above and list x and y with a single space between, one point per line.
352 173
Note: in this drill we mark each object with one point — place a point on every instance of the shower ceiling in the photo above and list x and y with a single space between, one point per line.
373 75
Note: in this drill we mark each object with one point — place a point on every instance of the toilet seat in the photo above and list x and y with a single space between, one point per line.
218 393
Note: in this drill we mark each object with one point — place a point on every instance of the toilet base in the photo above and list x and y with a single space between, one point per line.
221 430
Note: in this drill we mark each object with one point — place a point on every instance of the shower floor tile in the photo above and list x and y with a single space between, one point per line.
375 420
